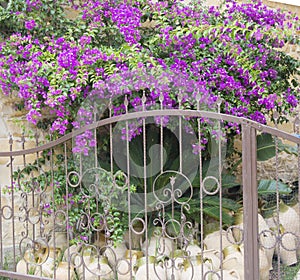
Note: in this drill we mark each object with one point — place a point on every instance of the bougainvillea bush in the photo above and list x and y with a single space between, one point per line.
233 51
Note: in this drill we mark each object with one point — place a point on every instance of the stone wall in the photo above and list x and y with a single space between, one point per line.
288 5
12 122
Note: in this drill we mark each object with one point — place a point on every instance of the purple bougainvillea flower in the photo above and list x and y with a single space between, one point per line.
30 24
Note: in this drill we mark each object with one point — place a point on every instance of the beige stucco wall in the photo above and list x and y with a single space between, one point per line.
12 122
288 5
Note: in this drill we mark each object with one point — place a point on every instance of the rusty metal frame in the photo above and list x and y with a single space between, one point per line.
154 113
250 199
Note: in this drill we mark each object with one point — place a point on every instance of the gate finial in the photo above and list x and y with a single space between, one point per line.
219 102
296 125
126 103
10 141
144 99
276 118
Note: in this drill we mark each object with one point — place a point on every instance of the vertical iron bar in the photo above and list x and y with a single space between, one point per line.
23 148
82 193
278 233
110 147
95 150
52 192
144 99
95 139
161 99
200 184
220 184
296 131
128 188
180 144
250 203
111 140
67 199
24 163
180 133
33 189
12 203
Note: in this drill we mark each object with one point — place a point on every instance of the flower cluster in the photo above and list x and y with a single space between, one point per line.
127 19
30 24
33 5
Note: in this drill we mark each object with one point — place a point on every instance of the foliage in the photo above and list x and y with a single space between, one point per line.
266 187
289 272
5 267
232 51
41 17
92 205
266 147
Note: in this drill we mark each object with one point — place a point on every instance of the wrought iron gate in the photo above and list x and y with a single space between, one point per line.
131 197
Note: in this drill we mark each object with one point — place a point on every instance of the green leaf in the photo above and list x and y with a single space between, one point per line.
265 147
229 181
226 202
289 149
214 212
266 187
